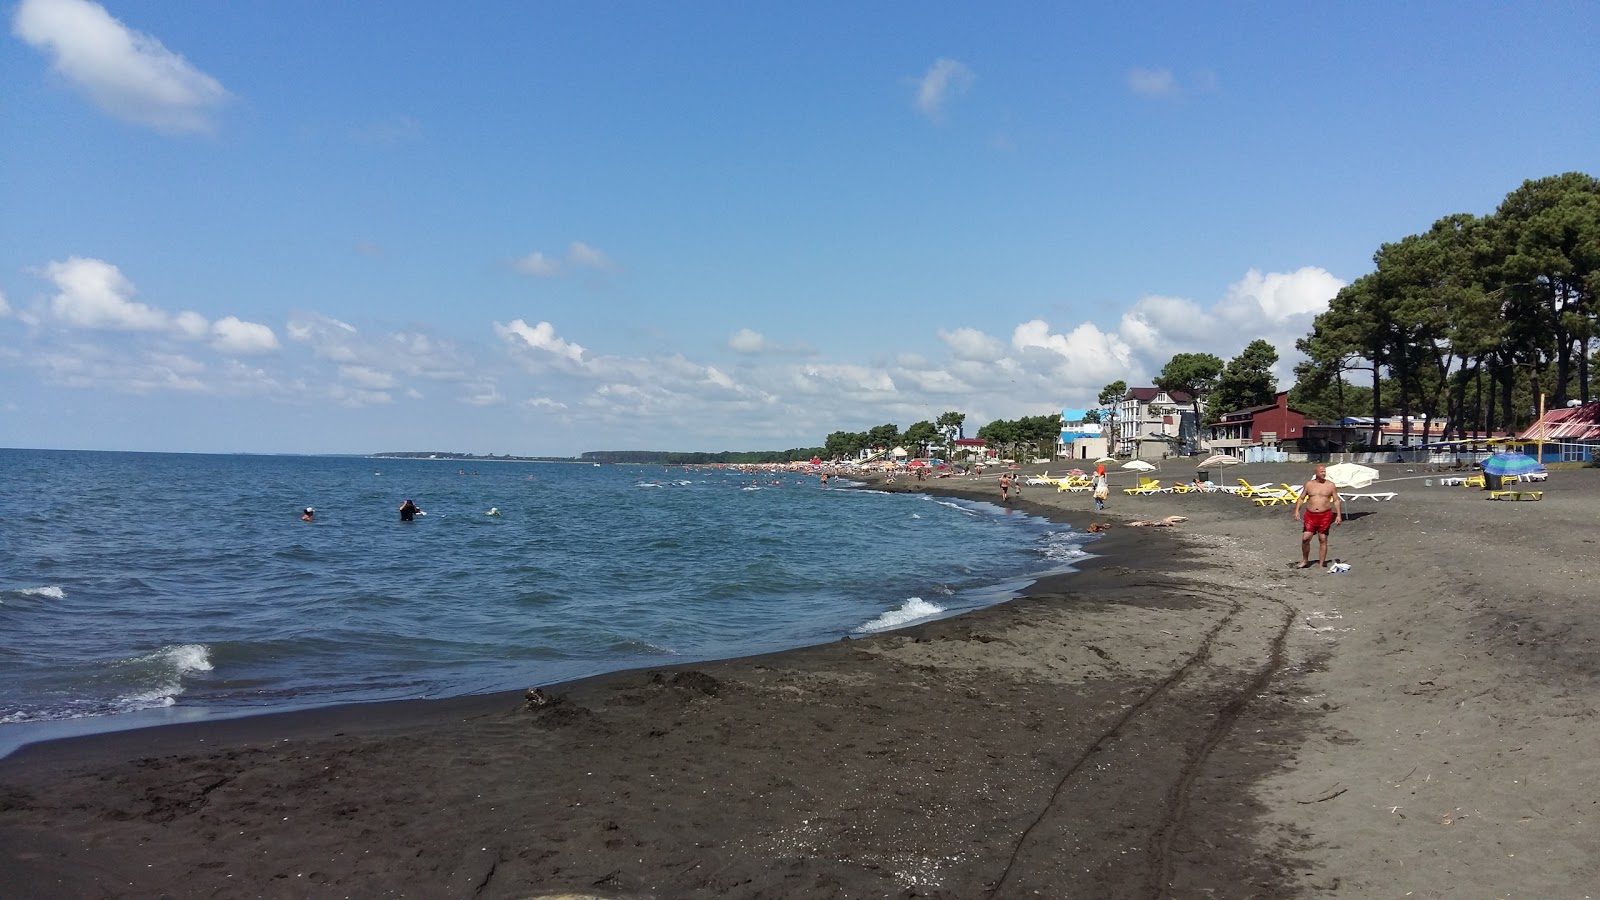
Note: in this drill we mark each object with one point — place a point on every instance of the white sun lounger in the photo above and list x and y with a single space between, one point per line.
1375 497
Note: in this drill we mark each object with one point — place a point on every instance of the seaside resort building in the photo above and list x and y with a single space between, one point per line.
1080 439
1150 423
1259 432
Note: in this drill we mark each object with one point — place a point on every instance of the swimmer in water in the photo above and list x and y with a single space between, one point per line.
309 515
408 511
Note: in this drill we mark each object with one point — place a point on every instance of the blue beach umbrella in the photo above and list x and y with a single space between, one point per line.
1504 464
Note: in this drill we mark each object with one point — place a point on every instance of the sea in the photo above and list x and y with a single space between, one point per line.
145 588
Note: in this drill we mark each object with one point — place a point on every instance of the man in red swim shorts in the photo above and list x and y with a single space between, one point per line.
1323 510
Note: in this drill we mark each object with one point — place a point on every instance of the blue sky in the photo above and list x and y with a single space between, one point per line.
543 228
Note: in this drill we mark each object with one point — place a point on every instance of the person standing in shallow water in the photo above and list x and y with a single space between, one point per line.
408 511
1324 509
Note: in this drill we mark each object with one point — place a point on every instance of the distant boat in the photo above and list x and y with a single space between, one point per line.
596 465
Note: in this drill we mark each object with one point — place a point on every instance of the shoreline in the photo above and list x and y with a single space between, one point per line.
1184 715
188 719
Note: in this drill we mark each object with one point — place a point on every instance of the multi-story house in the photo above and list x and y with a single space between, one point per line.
1151 423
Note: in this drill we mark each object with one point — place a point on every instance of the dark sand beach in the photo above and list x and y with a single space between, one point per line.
1186 717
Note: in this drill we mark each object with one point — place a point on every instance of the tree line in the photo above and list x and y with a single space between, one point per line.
1473 319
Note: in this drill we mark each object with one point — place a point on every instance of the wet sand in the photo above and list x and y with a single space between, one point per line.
1188 716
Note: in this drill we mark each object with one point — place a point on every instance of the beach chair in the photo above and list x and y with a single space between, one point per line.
1145 486
1246 489
1182 487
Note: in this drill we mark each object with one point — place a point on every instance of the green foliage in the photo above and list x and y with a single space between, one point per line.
1092 416
921 434
952 425
1196 374
1246 381
1038 435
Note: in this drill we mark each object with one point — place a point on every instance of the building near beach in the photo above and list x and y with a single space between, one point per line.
1151 423
1080 439
1269 425
1571 433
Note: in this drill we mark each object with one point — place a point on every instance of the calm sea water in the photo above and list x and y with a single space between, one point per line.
133 581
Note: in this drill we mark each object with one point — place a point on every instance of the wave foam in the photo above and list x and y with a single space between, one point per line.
162 673
908 612
51 591
1063 547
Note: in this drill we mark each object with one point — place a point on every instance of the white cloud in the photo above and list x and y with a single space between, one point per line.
944 79
367 377
191 325
581 254
540 337
5 308
484 393
1280 295
356 398
235 337
747 341
372 363
536 264
970 343
95 294
543 403
127 73
1152 82
843 380
1087 354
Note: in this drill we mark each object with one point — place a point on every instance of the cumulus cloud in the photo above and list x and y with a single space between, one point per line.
746 340
1280 295
578 256
367 377
536 264
5 308
541 337
581 254
235 337
126 73
945 79
484 393
95 294
1080 357
1152 82
970 343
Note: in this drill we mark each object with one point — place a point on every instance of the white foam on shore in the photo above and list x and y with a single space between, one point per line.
166 669
1063 547
908 612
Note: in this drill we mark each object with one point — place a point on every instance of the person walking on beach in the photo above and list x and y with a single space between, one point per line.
1323 510
1102 489
408 510
1005 488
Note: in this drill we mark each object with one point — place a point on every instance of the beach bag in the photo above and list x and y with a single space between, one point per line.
1101 492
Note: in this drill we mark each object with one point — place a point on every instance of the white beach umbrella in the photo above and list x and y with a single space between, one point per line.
1138 465
1220 459
899 451
1104 461
1350 475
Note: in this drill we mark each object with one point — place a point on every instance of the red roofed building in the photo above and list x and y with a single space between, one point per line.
1572 432
1270 424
